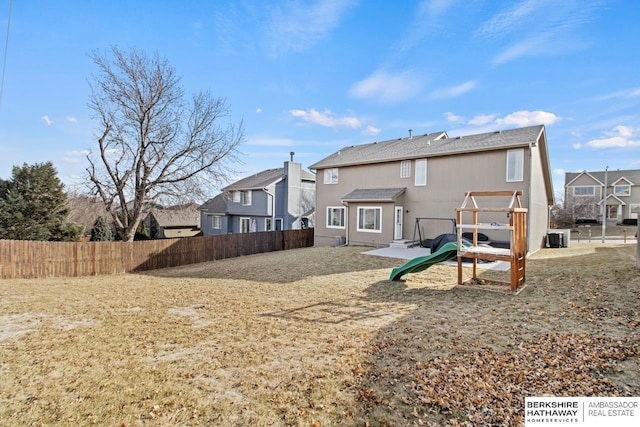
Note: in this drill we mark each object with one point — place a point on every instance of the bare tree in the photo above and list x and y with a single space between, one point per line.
154 146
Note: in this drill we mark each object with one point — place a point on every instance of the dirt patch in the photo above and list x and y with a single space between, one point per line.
315 336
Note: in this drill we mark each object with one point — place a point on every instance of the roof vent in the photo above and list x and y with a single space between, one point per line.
410 136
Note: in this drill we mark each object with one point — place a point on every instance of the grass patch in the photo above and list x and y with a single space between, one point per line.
314 336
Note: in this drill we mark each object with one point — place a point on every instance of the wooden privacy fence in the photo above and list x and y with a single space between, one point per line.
34 259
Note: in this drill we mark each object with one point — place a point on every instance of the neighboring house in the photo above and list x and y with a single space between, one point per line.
174 221
584 193
274 199
376 193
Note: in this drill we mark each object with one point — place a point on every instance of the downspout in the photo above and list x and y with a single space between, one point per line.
346 223
528 239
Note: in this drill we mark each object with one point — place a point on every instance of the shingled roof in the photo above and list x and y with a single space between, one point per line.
374 195
263 179
428 145
177 216
613 176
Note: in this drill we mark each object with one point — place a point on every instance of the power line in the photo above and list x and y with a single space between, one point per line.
6 47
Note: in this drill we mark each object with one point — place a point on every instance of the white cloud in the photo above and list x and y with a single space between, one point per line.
618 137
46 120
269 142
72 119
627 93
371 130
540 27
326 118
454 91
77 153
301 24
259 110
529 47
75 156
388 88
452 118
528 118
559 172
435 8
482 119
510 19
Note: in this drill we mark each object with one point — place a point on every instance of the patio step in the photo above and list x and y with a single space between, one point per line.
402 244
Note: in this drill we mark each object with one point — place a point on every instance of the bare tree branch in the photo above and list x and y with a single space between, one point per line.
153 145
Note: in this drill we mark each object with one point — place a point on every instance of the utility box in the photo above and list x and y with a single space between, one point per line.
564 237
554 240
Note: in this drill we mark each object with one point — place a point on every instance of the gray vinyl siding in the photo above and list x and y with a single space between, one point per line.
206 221
537 224
448 179
259 205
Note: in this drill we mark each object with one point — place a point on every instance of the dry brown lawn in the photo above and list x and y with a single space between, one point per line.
316 337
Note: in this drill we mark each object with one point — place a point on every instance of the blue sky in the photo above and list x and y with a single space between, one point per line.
315 76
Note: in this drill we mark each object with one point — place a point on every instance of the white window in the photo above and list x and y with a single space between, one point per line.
515 165
421 172
216 221
245 225
405 169
246 198
278 224
331 176
236 196
369 219
622 190
335 216
267 224
584 190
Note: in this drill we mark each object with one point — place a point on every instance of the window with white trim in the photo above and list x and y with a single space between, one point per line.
245 225
246 198
405 169
335 216
331 176
370 219
279 224
515 165
216 221
421 173
584 190
267 224
237 197
622 190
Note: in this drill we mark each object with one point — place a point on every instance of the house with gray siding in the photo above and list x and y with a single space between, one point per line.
377 193
274 199
619 190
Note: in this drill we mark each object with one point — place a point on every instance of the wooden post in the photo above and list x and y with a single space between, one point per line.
636 210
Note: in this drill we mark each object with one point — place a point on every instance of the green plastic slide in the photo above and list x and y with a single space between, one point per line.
446 252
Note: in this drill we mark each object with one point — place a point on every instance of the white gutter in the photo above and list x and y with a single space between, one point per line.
273 208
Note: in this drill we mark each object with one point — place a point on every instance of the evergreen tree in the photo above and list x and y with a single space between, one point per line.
33 205
101 231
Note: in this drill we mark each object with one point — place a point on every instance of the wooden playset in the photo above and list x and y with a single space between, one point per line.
516 251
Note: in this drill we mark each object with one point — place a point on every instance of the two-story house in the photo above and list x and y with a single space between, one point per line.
376 193
584 195
274 199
